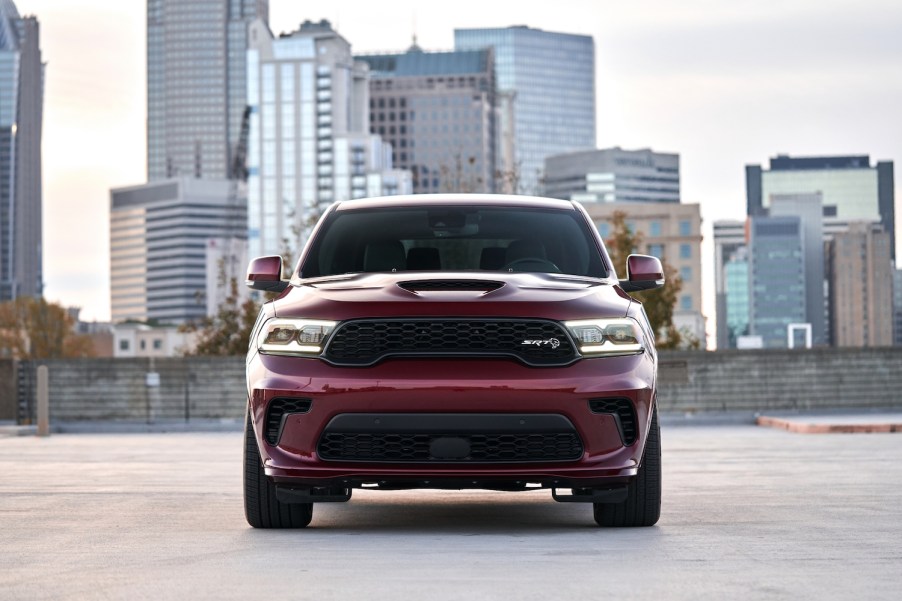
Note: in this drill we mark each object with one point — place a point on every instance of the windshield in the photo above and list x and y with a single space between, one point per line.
436 238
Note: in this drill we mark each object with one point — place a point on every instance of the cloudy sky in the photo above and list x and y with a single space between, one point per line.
723 83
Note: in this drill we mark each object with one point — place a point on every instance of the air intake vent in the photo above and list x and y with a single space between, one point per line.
480 448
625 413
278 408
442 285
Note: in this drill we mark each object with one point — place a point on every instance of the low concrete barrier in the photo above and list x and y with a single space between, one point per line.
780 380
147 390
204 388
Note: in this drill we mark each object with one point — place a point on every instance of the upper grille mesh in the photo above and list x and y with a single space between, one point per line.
364 342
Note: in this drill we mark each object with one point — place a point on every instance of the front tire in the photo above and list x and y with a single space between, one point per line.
643 502
261 507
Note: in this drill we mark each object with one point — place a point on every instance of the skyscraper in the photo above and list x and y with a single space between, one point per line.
861 290
196 84
159 238
809 209
310 141
550 79
731 246
736 299
21 116
777 272
851 190
437 110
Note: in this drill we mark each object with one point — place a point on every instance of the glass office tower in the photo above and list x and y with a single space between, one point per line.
21 116
850 188
196 84
551 79
777 292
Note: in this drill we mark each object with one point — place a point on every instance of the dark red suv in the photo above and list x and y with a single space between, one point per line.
452 342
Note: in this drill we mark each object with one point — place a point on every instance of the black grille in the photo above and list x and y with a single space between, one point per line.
429 285
278 408
622 408
365 342
484 448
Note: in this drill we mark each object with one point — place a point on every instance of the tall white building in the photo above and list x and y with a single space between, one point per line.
309 134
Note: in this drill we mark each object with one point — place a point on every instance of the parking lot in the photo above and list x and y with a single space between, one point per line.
749 513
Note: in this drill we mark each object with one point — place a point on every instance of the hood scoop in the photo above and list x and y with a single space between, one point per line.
450 285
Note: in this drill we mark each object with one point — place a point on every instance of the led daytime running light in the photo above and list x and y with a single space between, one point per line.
607 337
294 337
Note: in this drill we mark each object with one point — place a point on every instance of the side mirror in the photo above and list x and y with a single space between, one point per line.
265 273
642 273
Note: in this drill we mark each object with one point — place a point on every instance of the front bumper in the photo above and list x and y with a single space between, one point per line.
436 387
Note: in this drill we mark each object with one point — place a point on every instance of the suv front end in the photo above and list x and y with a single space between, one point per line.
377 367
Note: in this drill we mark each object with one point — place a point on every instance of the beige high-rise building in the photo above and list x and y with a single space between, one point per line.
861 286
671 232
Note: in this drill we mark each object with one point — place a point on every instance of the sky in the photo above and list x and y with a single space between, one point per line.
722 83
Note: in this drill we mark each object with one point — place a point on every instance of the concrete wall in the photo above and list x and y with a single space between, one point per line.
116 389
689 382
780 380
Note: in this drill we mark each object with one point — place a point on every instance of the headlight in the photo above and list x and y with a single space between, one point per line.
295 337
607 337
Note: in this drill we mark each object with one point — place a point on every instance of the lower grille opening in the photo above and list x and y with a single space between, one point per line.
278 408
625 412
459 448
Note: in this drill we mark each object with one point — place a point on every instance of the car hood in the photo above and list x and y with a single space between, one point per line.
465 294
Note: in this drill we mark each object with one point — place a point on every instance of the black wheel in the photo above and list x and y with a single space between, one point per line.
643 502
261 507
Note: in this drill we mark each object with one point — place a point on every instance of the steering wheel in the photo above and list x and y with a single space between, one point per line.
536 263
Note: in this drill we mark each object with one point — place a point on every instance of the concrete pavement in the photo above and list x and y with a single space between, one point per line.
749 513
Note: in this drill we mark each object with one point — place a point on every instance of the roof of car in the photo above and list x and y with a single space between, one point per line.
419 200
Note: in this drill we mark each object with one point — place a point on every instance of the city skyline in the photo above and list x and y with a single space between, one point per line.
721 88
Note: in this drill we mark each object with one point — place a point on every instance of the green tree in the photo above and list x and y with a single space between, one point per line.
658 303
31 328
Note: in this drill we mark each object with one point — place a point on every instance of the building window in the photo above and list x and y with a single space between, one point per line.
123 345
685 228
685 251
143 345
656 250
686 274
686 302
654 228
157 344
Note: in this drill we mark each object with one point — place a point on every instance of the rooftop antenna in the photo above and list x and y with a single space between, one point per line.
414 46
